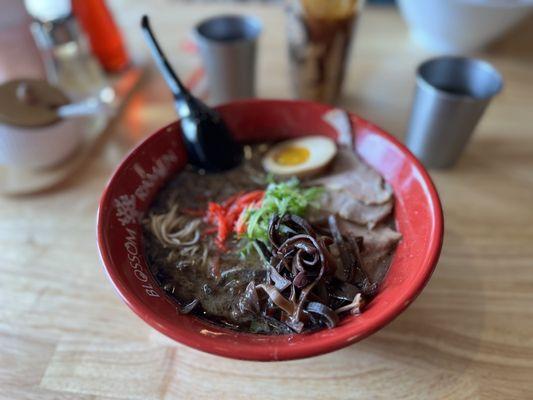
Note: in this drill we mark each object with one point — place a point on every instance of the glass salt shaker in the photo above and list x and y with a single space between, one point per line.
68 61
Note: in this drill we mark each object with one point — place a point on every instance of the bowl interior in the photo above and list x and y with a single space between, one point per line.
137 180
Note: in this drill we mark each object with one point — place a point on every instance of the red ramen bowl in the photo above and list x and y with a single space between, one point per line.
152 163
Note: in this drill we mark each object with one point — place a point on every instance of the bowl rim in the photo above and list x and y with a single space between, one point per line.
235 351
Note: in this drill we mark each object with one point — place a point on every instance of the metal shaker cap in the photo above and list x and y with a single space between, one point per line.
48 10
30 103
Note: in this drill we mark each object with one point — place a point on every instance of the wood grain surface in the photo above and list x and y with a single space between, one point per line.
64 334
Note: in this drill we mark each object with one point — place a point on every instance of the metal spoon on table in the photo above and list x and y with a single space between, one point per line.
104 103
209 142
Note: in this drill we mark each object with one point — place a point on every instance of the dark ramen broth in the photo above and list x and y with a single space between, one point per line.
218 282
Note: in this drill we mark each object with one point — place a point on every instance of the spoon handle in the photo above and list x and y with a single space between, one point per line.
172 80
208 140
86 107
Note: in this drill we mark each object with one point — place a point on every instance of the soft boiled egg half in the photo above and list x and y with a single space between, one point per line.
305 156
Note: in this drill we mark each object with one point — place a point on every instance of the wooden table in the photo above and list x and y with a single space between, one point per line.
64 333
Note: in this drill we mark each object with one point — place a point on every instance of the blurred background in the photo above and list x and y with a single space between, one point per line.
80 74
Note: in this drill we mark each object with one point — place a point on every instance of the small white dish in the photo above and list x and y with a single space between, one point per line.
461 26
39 147
32 135
93 132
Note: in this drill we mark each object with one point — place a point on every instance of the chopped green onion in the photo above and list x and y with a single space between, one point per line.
280 198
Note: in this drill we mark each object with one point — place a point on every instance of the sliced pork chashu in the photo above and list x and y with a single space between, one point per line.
342 203
378 246
351 174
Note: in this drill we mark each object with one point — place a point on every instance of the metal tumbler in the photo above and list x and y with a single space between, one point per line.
451 95
227 45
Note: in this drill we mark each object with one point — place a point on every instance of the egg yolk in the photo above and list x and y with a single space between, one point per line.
292 155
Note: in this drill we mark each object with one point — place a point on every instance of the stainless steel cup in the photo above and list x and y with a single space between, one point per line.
451 95
227 45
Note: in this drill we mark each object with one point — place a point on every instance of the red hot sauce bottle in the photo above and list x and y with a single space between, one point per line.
104 35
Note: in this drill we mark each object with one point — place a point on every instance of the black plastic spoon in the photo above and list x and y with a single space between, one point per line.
209 142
